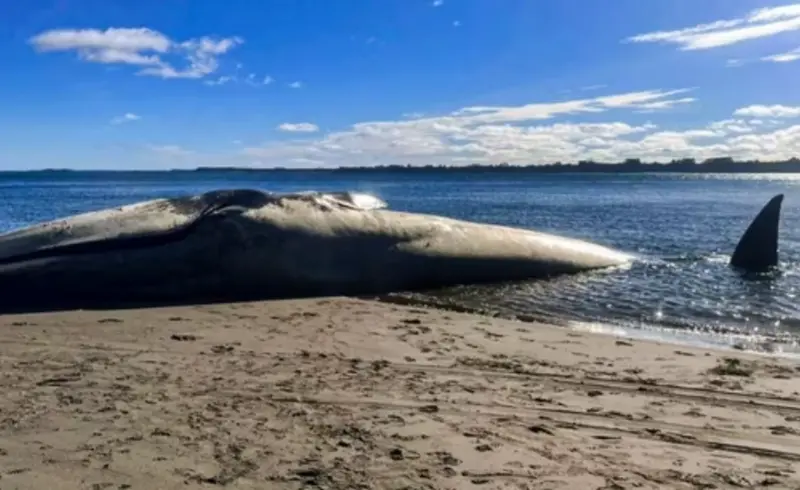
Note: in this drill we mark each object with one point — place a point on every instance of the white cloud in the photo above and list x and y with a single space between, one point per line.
251 79
633 100
456 23
306 162
127 117
786 57
119 39
768 111
437 3
222 80
643 100
733 126
296 85
593 87
171 151
665 104
298 127
759 23
142 47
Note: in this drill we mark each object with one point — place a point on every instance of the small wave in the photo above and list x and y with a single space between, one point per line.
763 344
718 258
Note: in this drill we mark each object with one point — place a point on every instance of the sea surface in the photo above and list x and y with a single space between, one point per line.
684 227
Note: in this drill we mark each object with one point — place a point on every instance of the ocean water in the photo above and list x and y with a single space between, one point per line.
683 226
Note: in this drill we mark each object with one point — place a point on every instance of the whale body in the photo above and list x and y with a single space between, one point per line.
244 244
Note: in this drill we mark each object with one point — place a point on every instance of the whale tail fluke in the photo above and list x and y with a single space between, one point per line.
757 250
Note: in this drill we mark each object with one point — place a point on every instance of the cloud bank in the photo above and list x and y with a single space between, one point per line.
527 134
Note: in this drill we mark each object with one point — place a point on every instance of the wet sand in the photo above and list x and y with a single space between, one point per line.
343 393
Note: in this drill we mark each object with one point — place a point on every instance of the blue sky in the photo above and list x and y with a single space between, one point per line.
176 83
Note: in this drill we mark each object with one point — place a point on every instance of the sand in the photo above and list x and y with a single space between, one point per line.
342 393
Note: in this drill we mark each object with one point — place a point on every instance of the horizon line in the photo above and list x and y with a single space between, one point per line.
631 165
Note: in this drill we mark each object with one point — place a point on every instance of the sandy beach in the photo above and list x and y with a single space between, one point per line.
343 393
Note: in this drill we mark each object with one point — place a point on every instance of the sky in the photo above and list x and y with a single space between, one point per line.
160 84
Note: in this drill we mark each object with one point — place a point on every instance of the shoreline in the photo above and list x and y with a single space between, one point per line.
768 345
351 393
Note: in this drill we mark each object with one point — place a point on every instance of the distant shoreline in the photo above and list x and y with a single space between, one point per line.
631 166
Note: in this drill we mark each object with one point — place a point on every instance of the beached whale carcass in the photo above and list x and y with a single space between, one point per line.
249 244
244 243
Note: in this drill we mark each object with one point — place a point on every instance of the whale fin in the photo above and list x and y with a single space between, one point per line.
757 250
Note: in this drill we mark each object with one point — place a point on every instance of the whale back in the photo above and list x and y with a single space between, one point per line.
159 218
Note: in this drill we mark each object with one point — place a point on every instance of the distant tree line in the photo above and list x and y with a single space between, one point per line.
631 165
